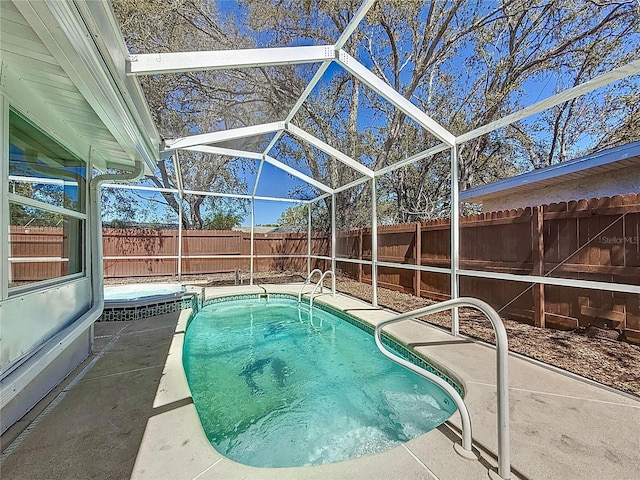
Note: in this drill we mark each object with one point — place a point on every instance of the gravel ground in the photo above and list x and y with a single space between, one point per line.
610 362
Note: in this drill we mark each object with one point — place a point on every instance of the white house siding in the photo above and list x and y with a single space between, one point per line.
616 182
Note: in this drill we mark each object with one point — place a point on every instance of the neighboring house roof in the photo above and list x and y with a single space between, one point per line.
256 229
587 166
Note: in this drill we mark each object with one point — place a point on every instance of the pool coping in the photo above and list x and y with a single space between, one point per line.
407 460
174 388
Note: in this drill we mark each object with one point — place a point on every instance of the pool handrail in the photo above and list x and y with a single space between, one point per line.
333 290
502 355
307 281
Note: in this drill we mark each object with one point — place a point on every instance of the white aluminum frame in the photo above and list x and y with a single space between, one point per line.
326 55
4 203
366 76
178 174
155 63
225 152
42 181
224 135
308 239
353 24
328 149
333 248
145 188
454 228
31 202
252 245
295 173
303 97
374 244
188 257
619 73
263 158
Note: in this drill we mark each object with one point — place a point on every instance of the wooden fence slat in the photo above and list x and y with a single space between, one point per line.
595 239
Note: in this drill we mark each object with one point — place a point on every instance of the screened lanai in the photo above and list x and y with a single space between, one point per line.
439 146
361 123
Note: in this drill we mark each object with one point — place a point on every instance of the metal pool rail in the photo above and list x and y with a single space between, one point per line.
307 281
502 354
319 284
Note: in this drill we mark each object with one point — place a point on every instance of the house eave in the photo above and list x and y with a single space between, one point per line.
595 164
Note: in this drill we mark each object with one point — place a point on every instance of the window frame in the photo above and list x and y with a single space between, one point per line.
4 202
81 246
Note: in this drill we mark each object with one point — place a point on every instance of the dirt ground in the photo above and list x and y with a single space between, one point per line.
607 361
610 362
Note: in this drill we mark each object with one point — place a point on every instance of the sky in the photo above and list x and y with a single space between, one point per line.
267 213
272 184
276 183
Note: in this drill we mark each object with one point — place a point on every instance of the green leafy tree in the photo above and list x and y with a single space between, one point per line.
222 221
296 218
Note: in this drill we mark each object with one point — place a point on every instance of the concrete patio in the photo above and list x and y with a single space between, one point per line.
127 413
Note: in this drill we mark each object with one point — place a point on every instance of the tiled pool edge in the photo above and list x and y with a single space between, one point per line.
138 312
389 340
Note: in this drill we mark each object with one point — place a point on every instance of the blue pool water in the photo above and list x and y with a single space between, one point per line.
273 388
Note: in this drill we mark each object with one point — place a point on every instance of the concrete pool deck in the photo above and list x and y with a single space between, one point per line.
127 413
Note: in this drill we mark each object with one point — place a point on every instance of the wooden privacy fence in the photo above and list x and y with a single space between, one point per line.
129 252
595 239
36 253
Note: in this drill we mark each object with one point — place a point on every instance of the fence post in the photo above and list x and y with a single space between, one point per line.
418 260
537 248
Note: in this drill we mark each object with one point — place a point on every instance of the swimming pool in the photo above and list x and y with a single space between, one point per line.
276 388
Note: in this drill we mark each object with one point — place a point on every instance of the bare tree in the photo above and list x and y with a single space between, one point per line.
465 63
198 102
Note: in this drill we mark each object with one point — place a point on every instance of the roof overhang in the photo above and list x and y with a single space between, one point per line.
63 64
595 164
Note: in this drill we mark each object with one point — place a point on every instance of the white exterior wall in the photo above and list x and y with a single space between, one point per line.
50 57
616 182
44 330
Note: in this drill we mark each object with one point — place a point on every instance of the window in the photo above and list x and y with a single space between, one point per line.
47 206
